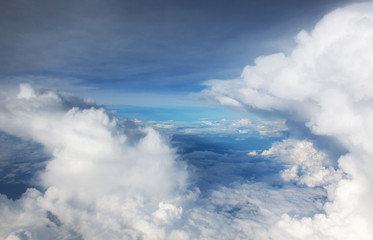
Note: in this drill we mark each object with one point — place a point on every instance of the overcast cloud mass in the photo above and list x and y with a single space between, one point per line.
101 177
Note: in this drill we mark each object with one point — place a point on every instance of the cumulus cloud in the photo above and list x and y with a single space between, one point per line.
305 164
325 83
107 179
251 211
97 183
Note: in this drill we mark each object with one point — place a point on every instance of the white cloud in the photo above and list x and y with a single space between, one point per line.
242 122
160 125
106 182
326 82
268 128
253 153
251 211
168 212
98 183
305 164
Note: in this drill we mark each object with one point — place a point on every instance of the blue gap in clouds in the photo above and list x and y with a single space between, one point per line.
174 113
20 161
216 161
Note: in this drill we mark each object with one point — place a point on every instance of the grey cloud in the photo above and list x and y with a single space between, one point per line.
161 42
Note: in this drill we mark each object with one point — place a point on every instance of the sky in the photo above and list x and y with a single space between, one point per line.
161 50
186 120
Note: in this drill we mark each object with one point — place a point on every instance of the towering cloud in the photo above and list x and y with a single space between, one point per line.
99 183
325 83
108 179
112 179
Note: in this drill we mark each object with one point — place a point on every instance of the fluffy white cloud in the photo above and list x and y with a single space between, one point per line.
251 211
114 180
107 181
242 122
305 164
98 183
327 83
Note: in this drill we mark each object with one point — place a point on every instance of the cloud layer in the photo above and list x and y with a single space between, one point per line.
107 179
98 184
325 83
118 180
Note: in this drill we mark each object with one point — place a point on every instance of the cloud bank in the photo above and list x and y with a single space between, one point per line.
110 179
98 184
325 83
107 179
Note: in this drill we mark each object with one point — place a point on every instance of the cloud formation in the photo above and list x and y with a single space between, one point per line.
325 83
126 44
117 180
98 184
108 179
305 164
